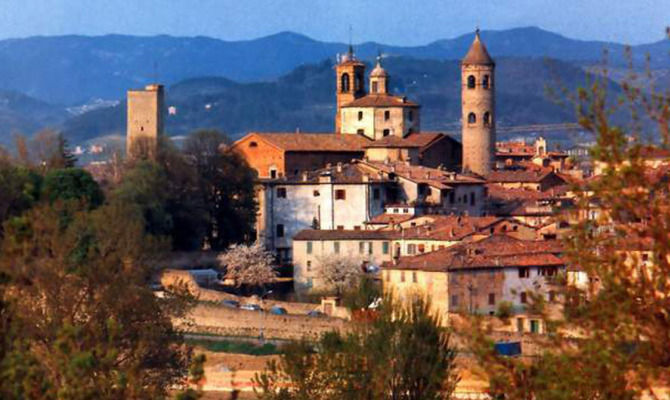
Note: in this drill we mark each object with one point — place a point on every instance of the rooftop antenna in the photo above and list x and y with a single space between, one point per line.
351 46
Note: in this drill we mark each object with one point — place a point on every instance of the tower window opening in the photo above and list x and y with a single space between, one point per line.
472 118
485 82
375 89
358 83
386 132
487 118
411 115
344 84
360 115
387 115
471 82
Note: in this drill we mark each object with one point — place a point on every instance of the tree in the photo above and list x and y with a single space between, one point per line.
80 319
612 341
226 184
19 190
72 184
404 354
340 272
249 265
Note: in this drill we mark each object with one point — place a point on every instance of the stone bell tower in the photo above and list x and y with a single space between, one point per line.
350 75
478 109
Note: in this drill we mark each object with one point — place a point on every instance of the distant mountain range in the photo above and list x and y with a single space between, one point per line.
64 72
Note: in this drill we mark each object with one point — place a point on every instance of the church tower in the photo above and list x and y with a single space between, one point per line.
145 121
478 109
379 79
350 75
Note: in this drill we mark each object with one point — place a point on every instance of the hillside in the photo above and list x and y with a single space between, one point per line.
304 99
74 69
23 114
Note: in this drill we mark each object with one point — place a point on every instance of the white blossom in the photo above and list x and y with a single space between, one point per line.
249 265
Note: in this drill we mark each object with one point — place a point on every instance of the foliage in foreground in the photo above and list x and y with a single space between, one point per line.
404 354
78 318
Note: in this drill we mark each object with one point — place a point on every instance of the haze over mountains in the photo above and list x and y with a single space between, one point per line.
279 82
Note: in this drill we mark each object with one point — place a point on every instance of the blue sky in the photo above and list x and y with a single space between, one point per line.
402 22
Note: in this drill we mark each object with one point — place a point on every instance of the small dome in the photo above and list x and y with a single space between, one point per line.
378 70
477 54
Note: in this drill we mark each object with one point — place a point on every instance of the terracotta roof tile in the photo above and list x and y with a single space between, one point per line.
420 140
323 234
497 251
314 141
478 54
381 100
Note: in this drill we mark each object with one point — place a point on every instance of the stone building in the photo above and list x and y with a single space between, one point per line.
377 114
145 121
478 109
475 277
278 155
341 196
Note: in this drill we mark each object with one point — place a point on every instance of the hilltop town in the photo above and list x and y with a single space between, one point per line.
314 259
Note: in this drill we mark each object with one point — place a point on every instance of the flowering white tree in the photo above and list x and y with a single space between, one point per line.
340 272
249 265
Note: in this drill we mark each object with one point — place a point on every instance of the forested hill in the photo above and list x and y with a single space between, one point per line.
70 70
304 99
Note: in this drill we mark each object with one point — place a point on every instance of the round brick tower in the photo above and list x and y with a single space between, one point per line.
478 109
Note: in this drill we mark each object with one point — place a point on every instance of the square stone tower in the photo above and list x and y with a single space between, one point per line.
145 121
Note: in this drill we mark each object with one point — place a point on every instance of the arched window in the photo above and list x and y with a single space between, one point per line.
471 82
485 82
387 115
487 118
344 84
472 118
374 87
358 84
360 115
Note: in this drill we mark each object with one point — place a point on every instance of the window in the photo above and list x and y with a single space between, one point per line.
534 326
411 249
472 118
281 193
385 247
340 194
471 82
386 132
317 193
387 115
414 280
452 197
280 230
309 266
523 272
492 299
336 247
402 276
374 87
422 248
369 247
410 116
375 194
550 271
405 210
472 198
523 297
344 83
361 247
273 173
487 118
454 300
358 83
340 227
360 115
519 324
485 82
253 144
360 132
309 247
